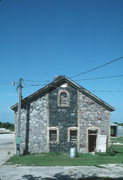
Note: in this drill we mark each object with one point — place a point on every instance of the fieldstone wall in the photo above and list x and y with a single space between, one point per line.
63 118
34 123
44 112
91 115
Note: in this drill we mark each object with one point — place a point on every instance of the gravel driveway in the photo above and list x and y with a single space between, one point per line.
60 173
7 147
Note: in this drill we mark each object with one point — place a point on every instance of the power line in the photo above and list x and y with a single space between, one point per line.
104 91
5 84
44 84
96 78
35 85
36 81
85 79
110 62
81 74
110 91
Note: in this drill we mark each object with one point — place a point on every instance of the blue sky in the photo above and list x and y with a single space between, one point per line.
41 39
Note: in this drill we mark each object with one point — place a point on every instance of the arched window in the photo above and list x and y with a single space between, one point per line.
63 99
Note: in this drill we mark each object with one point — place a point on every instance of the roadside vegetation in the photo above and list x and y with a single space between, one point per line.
113 156
58 159
7 125
117 140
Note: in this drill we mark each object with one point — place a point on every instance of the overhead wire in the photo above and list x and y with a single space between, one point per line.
105 64
98 78
2 84
110 91
104 91
37 81
84 79
34 84
98 67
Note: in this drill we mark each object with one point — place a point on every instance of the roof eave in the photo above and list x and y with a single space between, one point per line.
58 81
92 96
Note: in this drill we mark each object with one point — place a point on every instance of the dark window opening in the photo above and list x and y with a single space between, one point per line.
63 98
113 131
73 135
91 132
53 135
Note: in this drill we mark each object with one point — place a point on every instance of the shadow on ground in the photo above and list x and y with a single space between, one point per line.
67 177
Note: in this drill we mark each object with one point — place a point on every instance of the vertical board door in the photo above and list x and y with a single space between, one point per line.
101 143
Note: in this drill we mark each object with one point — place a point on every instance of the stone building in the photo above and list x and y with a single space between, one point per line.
62 115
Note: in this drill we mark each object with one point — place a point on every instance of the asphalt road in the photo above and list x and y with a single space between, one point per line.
7 147
61 173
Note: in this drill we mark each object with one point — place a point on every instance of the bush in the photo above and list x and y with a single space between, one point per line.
110 152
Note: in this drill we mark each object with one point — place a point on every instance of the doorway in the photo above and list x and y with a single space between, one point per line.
92 136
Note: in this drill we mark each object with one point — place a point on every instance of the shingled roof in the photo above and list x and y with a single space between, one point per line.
56 83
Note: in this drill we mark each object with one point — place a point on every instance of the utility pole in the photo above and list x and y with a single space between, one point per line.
18 138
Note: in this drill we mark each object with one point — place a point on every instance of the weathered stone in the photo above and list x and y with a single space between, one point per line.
83 114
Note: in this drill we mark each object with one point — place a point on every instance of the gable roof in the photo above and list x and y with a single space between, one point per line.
57 82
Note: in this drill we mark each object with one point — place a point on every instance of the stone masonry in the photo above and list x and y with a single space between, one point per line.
41 112
63 118
34 123
91 115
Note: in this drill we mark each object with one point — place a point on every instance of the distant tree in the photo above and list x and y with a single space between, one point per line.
119 124
0 125
7 125
115 123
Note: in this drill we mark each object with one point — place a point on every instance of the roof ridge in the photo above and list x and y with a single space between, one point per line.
55 82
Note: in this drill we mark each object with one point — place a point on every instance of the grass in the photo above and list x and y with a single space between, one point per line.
114 156
54 159
117 140
118 148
